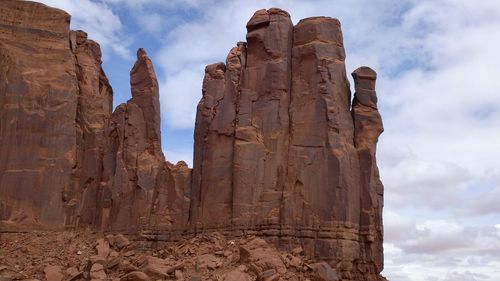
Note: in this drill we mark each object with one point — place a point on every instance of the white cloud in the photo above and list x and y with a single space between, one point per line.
99 21
134 4
438 249
156 16
182 93
464 276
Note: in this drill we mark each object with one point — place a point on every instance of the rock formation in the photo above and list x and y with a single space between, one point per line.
279 150
87 165
94 106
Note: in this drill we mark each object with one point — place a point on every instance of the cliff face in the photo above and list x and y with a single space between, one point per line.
279 149
39 99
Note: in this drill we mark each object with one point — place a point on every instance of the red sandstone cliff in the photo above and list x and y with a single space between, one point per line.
279 149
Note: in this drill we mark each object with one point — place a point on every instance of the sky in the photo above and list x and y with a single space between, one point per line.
438 86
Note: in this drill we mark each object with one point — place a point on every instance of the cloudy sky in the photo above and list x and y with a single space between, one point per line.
439 91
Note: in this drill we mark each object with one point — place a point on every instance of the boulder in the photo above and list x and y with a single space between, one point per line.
324 272
97 272
237 275
259 257
102 247
53 273
268 275
135 276
120 241
156 268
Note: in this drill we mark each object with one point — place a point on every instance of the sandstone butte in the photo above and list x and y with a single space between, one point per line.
280 150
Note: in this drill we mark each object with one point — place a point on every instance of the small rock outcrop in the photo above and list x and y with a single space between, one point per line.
279 149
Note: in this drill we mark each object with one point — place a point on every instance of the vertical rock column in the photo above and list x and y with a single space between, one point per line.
135 157
203 172
146 95
214 141
322 192
367 129
95 101
262 130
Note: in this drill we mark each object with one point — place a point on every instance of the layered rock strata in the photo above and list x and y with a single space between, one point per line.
279 150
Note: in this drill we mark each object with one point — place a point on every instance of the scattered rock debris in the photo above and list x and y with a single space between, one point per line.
73 256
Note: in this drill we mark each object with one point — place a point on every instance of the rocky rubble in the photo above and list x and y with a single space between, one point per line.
68 256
